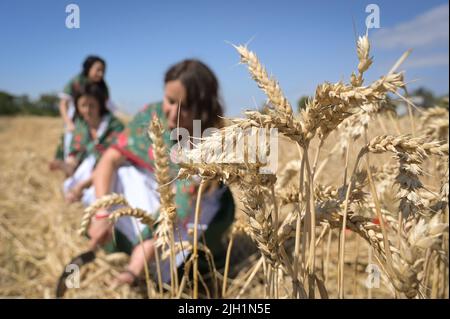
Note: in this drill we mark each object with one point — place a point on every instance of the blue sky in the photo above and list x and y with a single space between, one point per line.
302 43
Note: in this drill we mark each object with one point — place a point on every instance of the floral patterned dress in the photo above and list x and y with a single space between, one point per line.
83 144
69 92
217 207
87 150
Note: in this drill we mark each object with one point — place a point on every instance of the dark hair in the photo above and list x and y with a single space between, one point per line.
87 65
89 62
93 90
202 91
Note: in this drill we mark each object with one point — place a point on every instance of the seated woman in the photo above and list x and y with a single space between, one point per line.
93 71
95 129
191 92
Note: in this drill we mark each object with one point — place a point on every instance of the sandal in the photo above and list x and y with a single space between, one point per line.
133 275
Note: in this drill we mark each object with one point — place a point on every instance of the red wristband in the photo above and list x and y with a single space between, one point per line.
101 216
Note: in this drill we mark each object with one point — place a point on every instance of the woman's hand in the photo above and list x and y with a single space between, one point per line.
56 164
70 126
75 194
100 230
69 166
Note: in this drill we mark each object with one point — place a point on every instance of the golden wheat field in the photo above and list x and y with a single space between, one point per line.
358 206
38 230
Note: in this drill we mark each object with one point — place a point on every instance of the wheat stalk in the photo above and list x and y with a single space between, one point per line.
269 85
132 212
167 212
434 123
167 215
103 202
410 152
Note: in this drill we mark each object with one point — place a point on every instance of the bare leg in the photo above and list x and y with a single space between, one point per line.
138 261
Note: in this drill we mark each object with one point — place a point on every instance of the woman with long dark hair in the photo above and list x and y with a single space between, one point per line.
191 92
95 130
93 71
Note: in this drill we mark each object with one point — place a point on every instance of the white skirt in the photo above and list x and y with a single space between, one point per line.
140 189
82 173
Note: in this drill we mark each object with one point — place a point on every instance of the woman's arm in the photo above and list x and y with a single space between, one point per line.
100 229
63 110
85 184
105 171
69 165
76 193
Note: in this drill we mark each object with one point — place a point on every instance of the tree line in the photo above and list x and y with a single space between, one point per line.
45 105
